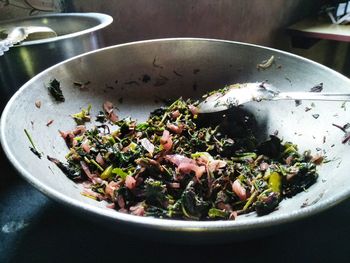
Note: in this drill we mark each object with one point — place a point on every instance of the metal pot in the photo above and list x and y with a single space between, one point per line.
144 73
76 33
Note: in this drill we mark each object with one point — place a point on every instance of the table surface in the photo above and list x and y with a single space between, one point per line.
34 228
320 28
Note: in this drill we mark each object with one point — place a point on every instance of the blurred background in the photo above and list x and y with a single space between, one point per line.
262 22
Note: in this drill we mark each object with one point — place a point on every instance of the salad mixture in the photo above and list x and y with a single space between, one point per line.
178 165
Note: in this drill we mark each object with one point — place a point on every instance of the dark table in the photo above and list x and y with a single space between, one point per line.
34 228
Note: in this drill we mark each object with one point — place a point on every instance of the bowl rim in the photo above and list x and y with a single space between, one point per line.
168 224
103 20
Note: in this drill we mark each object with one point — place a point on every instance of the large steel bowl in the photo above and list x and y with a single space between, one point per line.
76 33
144 73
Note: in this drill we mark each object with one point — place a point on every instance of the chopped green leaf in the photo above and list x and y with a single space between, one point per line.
55 90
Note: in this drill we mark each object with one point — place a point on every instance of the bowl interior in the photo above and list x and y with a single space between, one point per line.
137 77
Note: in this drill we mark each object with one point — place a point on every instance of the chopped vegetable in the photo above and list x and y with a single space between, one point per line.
109 110
49 122
32 147
317 88
275 182
83 116
177 166
55 90
81 85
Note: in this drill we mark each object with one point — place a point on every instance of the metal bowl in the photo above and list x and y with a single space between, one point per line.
143 73
76 33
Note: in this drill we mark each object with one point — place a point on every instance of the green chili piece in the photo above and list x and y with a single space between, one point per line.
107 173
218 213
275 182
120 172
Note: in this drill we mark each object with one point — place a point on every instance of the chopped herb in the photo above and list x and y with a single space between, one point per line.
81 85
32 147
55 90
71 171
317 88
101 117
83 116
343 105
344 129
298 103
177 166
346 138
218 213
49 123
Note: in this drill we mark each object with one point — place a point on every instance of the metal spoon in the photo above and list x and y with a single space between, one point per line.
18 34
239 94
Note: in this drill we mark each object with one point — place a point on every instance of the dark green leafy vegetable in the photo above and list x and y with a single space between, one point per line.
193 205
266 202
55 90
177 166
218 213
101 117
155 191
72 172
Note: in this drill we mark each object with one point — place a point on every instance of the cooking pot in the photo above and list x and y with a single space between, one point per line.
137 77
76 33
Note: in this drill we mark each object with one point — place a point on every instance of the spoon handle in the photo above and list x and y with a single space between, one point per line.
312 96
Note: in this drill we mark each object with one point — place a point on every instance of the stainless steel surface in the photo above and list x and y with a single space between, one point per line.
18 34
239 94
329 96
76 33
143 73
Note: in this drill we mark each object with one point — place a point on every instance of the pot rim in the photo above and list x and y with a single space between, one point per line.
102 19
